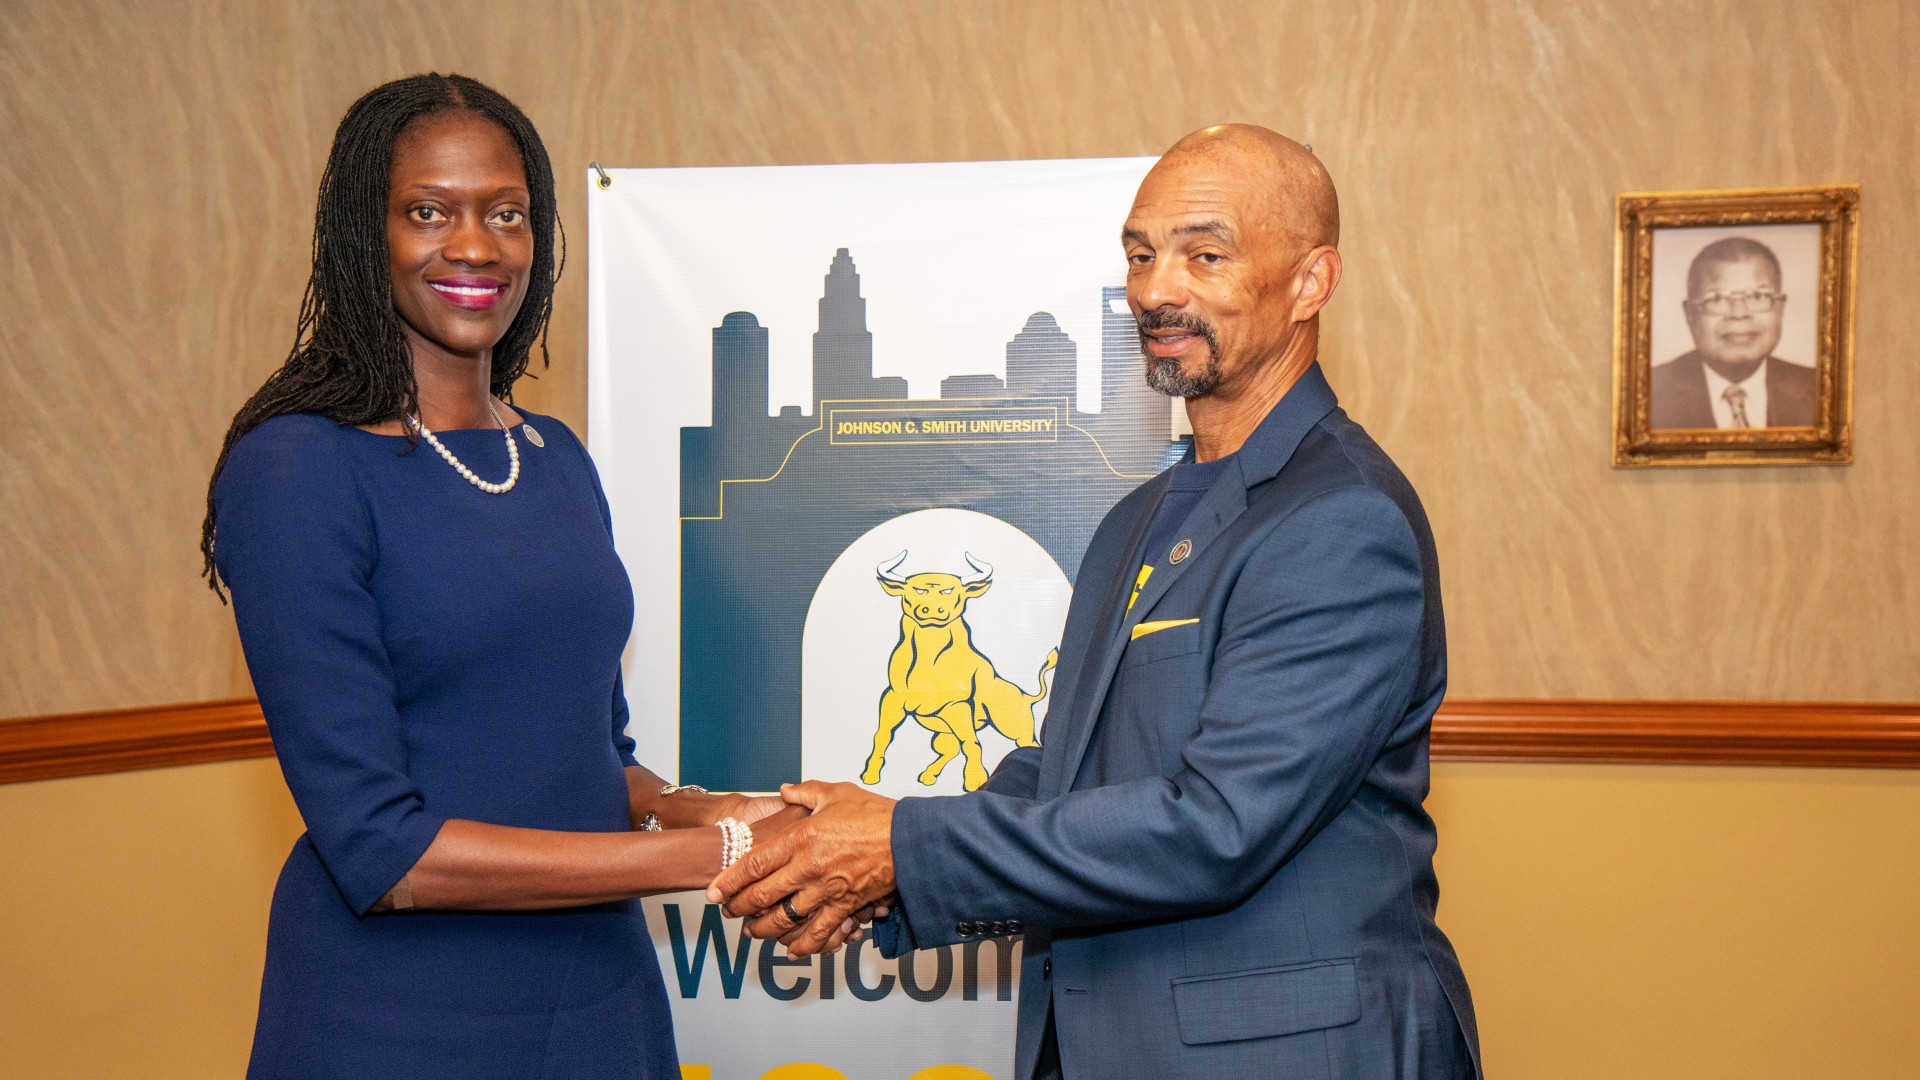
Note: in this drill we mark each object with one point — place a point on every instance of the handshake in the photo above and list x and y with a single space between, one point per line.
815 883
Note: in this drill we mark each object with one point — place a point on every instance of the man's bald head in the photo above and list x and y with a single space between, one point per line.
1279 179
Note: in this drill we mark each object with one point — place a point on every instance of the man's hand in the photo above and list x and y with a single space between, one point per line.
826 868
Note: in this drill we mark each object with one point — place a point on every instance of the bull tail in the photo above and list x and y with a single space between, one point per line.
1053 659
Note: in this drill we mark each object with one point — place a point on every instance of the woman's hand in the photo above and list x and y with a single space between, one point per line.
852 928
748 808
692 808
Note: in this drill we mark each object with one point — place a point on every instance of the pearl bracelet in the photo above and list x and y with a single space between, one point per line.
736 838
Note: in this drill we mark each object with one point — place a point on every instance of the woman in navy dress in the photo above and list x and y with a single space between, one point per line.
433 613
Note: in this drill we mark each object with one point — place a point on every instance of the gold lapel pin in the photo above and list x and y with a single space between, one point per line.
1180 551
532 435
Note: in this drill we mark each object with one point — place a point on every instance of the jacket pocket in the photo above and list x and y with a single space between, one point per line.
1266 1002
1181 640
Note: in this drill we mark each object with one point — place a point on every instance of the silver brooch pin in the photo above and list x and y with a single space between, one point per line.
1180 551
532 435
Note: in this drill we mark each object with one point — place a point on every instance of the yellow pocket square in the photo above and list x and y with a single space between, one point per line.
1146 628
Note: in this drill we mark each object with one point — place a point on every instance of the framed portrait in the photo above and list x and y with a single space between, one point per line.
1733 331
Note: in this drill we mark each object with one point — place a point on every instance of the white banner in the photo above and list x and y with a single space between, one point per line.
850 417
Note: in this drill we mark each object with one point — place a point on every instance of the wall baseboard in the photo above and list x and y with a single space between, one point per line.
1806 734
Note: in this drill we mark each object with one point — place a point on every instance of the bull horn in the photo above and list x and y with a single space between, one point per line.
981 571
889 569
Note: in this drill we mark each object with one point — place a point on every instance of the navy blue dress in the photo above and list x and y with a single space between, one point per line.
422 651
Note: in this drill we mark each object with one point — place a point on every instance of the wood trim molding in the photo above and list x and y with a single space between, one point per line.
81 744
1817 734
1808 734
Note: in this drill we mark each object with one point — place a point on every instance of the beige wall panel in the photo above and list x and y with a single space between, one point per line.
133 920
1670 923
1653 922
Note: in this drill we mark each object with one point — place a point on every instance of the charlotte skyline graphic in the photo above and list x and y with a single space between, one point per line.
768 502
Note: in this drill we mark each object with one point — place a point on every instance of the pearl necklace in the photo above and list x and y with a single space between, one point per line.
513 454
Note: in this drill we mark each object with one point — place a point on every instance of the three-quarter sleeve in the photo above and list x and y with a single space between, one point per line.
296 547
623 743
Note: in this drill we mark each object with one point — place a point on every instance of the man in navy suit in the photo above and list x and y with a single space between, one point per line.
1730 378
1219 857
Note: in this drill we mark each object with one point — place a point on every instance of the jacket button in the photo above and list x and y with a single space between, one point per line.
963 928
997 928
1046 968
1013 926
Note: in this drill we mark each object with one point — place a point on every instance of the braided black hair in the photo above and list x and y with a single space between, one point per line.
350 360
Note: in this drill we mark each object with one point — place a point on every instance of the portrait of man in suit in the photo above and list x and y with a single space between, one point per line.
1219 855
1735 307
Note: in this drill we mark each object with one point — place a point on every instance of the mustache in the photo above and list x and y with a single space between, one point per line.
1170 319
1162 319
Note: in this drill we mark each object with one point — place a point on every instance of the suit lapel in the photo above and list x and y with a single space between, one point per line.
1078 716
1223 502
1261 459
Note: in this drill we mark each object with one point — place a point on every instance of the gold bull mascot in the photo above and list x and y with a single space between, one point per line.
941 680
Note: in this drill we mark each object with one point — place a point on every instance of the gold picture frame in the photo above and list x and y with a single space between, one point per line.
1671 418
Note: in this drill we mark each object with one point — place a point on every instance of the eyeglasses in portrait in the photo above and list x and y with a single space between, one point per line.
1734 327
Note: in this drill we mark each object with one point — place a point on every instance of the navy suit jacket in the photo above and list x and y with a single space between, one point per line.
1219 856
1677 395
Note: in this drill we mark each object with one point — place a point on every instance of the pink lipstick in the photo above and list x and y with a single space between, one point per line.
477 293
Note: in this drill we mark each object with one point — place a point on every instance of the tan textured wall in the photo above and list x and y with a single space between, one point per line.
161 160
159 171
